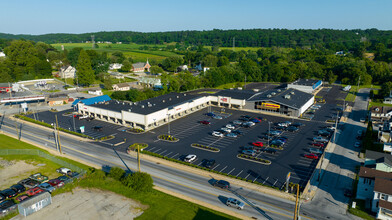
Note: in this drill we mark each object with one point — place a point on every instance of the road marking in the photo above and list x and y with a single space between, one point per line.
152 149
275 182
199 163
231 171
168 154
239 173
162 152
174 155
157 150
247 176
223 169
265 180
216 167
255 179
194 161
156 140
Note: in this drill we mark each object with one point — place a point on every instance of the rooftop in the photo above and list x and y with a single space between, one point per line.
150 105
305 82
93 100
236 93
372 173
383 186
379 157
385 204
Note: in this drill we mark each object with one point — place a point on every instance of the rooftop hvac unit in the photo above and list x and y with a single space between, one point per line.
130 110
231 88
123 103
239 88
287 96
256 90
169 99
184 94
163 100
142 106
178 97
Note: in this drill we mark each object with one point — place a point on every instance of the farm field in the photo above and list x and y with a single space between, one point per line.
129 50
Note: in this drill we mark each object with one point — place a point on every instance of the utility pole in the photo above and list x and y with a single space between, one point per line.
296 211
73 117
138 156
168 124
58 134
55 136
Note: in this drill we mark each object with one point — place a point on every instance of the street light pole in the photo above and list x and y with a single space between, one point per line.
269 131
168 124
73 117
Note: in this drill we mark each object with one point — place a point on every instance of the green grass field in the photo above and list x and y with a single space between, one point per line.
161 205
354 89
129 50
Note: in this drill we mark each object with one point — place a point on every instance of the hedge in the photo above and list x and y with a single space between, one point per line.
50 126
133 147
203 147
136 130
168 138
251 158
204 168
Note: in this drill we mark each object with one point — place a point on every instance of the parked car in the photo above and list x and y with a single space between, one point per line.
226 130
237 132
274 132
280 128
249 152
63 170
315 151
97 128
8 193
217 117
357 144
258 144
210 114
255 120
237 122
81 117
18 188
292 128
2 198
297 124
63 178
324 133
5 205
277 143
29 183
235 203
265 137
90 118
222 184
47 187
363 120
232 135
320 139
56 183
247 148
230 126
208 163
217 134
73 174
34 191
205 122
21 198
311 156
284 124
248 124
246 116
39 177
268 150
318 144
190 158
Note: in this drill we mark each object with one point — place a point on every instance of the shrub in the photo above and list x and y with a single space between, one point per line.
116 173
139 182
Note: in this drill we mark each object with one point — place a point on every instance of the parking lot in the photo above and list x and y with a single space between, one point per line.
189 131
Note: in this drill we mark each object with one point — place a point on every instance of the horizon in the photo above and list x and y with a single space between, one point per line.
76 17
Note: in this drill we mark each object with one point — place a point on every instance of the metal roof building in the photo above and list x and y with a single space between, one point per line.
93 100
305 85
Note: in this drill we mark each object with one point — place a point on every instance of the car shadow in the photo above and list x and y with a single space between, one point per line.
223 199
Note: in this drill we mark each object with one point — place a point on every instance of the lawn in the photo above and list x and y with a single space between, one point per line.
129 50
161 205
354 89
360 210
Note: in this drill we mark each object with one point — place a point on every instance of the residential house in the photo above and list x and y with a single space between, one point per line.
95 92
67 72
375 187
378 161
59 100
384 133
388 99
140 67
117 75
381 112
121 87
150 82
115 66
182 68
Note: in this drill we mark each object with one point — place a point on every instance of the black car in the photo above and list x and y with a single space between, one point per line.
246 116
237 132
97 128
8 193
222 184
18 188
297 124
268 150
324 133
2 198
280 128
208 163
29 183
73 174
292 129
5 205
63 178
266 137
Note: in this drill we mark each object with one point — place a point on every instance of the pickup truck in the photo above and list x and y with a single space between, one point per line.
63 170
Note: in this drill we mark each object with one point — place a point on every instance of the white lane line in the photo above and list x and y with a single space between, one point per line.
151 149
256 178
223 169
239 173
247 176
162 152
231 171
193 161
199 163
174 155
216 167
157 150
275 182
265 180
156 140
168 154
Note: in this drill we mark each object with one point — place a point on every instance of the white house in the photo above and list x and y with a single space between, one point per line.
121 87
96 92
115 66
67 72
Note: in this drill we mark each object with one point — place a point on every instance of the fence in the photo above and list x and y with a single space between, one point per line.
44 155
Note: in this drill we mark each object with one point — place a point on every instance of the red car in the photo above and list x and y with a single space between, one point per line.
258 144
34 191
311 156
318 144
56 183
21 198
205 122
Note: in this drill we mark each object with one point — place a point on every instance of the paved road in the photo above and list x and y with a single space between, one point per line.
259 205
340 172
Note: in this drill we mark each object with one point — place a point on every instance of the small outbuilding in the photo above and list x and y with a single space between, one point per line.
34 204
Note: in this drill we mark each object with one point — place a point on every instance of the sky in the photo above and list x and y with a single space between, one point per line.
83 16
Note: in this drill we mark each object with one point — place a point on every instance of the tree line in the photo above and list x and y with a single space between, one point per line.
328 38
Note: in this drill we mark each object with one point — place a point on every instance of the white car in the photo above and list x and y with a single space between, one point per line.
217 134
237 122
190 158
226 130
64 170
230 126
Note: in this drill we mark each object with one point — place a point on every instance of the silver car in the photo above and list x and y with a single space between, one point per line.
315 151
235 203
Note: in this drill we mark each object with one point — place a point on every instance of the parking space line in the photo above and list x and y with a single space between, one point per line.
216 166
168 154
174 155
239 173
199 163
152 149
275 182
256 178
247 176
223 169
162 152
231 171
265 180
193 161
157 150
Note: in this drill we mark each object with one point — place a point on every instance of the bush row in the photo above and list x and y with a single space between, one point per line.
206 169
276 147
135 130
106 138
167 137
205 147
134 146
264 161
50 126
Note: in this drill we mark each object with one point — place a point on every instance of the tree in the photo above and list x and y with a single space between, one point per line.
116 173
107 83
386 88
73 55
156 70
139 182
171 63
126 66
84 72
4 70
